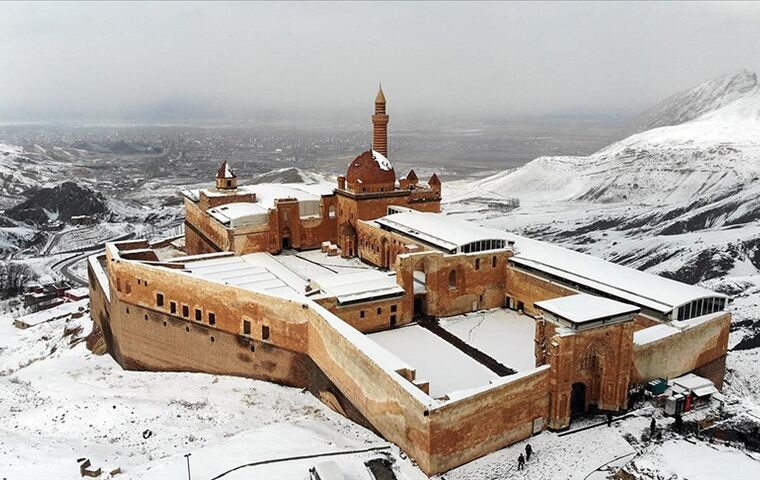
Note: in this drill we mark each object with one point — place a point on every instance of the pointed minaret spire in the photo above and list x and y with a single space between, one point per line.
380 124
380 95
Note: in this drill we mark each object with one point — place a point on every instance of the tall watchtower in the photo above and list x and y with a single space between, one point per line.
380 123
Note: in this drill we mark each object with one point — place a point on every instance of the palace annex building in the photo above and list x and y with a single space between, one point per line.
364 293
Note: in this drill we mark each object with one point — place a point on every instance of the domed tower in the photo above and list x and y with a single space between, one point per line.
225 177
380 124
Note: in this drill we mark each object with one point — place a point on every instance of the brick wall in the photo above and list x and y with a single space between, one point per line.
699 346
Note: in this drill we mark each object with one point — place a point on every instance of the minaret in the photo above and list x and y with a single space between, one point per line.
380 123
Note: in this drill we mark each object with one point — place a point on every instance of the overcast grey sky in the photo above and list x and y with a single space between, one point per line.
95 61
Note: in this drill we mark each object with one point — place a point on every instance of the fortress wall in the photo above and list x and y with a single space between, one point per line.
255 241
304 348
702 346
393 405
229 305
202 234
463 430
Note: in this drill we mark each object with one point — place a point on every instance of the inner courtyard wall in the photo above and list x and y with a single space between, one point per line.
458 283
372 316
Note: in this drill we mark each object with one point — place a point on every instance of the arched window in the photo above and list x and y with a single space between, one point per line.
331 211
477 264
493 262
452 280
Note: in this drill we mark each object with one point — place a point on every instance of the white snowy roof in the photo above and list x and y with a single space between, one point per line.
78 293
247 213
582 308
382 162
640 288
359 286
445 232
258 272
328 471
239 213
691 381
654 333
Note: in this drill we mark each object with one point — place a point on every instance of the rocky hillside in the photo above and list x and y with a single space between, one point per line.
58 203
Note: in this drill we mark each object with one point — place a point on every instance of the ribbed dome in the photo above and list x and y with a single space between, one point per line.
370 172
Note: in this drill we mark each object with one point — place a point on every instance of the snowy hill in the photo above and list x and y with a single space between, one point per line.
290 175
690 104
716 153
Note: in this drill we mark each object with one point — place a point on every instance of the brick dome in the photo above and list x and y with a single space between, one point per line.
371 172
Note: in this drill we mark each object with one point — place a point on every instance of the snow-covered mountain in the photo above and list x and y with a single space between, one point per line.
715 154
706 97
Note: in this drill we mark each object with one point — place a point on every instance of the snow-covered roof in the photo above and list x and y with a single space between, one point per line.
583 309
693 383
358 287
253 213
381 160
239 213
438 230
640 288
654 333
623 283
258 272
78 293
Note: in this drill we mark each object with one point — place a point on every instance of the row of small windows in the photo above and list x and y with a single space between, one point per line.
703 306
379 311
128 286
185 310
483 245
247 330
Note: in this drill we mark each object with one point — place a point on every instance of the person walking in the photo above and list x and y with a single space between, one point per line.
528 452
521 462
609 419
652 427
679 422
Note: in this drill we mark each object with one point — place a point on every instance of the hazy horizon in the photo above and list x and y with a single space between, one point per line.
236 62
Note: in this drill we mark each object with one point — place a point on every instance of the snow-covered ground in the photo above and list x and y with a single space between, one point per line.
504 335
435 360
60 403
